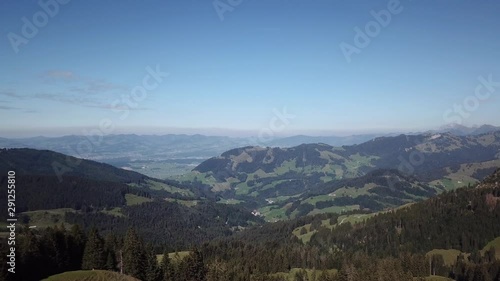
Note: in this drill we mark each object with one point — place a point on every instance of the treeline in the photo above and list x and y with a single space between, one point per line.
42 192
169 224
43 253
465 219
357 266
55 250
50 251
275 246
411 267
47 192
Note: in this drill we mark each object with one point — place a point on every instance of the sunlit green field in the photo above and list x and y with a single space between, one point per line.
90 275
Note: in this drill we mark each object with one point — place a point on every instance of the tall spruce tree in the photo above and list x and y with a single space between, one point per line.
111 246
94 255
167 268
110 261
76 244
196 270
30 255
218 271
134 255
153 272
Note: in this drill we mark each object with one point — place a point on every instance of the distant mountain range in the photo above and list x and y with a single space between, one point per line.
330 140
314 178
461 130
121 149
277 183
152 147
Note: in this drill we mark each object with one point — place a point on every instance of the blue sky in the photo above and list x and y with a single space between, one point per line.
230 74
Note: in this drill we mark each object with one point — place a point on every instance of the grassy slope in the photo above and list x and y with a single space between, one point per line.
188 203
495 244
90 275
136 200
310 272
156 185
435 278
176 256
352 219
463 176
449 255
117 212
48 218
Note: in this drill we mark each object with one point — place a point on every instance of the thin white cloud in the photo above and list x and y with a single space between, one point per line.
4 107
72 89
93 87
79 84
11 94
56 77
65 74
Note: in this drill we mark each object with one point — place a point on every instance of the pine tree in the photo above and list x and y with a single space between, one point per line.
217 271
196 270
110 261
94 255
76 244
490 254
61 244
481 273
325 276
111 246
301 275
167 268
133 255
29 266
57 257
437 265
153 272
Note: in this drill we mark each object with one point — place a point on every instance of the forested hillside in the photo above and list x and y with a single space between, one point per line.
393 243
112 199
395 171
453 234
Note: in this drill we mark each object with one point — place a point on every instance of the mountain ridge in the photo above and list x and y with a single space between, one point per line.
440 161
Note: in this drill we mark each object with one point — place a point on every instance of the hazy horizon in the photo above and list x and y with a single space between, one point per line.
61 132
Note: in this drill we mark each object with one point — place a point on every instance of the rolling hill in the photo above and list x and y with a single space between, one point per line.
158 156
415 240
55 180
448 236
263 176
96 194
